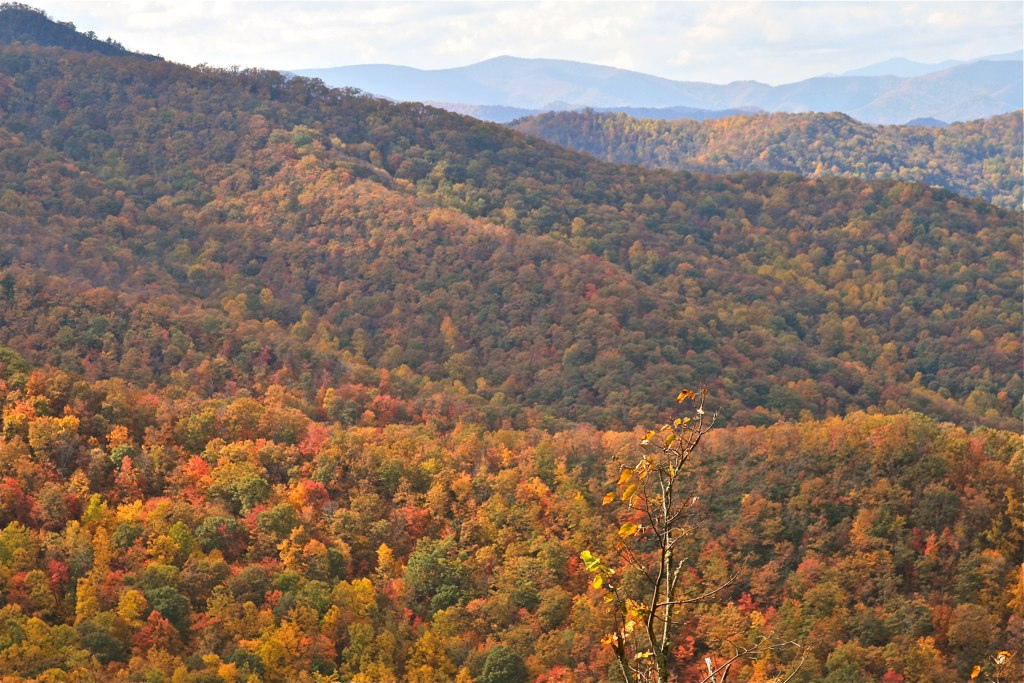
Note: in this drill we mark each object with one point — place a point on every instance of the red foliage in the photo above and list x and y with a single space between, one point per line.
412 520
556 674
157 632
59 575
15 503
316 437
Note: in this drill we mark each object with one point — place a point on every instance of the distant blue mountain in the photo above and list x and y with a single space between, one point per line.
902 68
927 122
906 68
970 90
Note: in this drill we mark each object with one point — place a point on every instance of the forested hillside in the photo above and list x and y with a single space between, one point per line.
201 228
24 24
976 159
301 385
158 536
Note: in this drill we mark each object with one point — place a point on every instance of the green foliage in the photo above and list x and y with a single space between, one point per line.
223 533
240 483
98 637
170 603
13 368
503 666
435 574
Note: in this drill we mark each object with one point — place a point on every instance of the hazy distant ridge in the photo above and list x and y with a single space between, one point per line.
967 91
502 114
907 67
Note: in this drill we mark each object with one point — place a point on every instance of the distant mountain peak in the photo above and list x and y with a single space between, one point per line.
927 121
907 68
495 87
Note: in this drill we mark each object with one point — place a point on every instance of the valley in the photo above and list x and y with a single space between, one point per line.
300 384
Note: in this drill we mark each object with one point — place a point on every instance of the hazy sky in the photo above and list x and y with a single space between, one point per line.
773 42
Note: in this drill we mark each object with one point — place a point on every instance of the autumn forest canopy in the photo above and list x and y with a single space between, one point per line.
975 158
301 384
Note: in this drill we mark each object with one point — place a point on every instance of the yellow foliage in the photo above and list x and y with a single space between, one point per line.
132 607
87 603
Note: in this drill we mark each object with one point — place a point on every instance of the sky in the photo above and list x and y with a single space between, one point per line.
717 42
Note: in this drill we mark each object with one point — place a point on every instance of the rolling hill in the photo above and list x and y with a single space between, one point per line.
976 159
298 384
146 201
